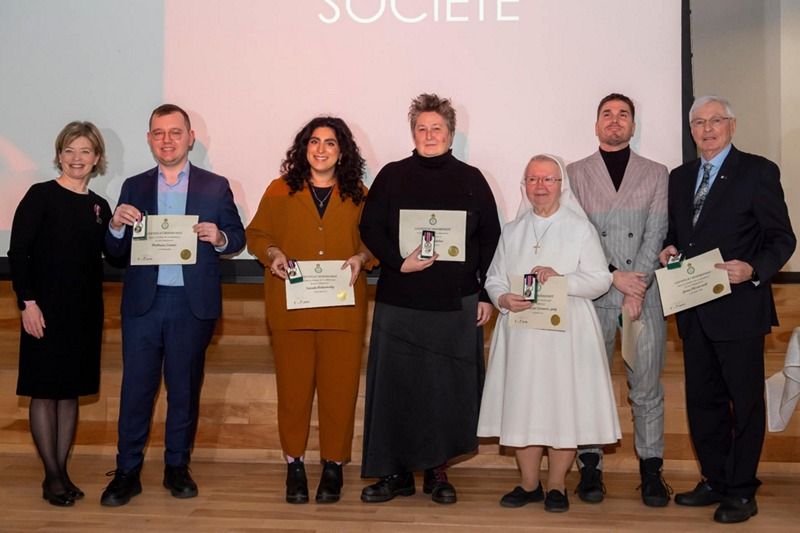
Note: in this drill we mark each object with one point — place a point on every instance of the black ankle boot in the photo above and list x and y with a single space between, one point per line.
296 482
330 483
655 491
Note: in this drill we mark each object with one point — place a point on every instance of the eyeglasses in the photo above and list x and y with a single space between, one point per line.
547 180
714 122
174 134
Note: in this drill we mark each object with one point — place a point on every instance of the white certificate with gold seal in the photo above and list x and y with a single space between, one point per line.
169 240
695 282
325 284
550 309
449 226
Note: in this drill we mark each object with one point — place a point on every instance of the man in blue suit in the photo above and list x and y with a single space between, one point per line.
168 311
733 201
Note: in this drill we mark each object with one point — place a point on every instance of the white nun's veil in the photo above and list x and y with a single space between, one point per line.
567 199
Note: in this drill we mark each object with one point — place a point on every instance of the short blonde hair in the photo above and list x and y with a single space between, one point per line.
76 129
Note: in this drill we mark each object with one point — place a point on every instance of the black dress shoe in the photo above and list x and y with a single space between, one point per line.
733 510
330 483
73 490
700 496
388 487
590 488
179 482
519 497
436 484
122 488
63 499
556 501
655 491
296 482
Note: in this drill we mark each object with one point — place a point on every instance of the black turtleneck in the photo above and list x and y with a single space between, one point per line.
616 162
436 183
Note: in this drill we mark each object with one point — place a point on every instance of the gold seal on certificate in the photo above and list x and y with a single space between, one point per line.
696 282
549 311
450 229
171 240
324 284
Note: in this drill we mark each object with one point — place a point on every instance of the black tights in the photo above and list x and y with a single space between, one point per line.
53 424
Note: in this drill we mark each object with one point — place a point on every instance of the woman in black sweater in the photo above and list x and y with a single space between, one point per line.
426 367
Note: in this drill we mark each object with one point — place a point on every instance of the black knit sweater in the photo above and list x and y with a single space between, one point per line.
436 183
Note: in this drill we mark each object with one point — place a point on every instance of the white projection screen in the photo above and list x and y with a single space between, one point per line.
525 77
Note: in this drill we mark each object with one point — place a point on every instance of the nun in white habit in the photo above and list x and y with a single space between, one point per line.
548 388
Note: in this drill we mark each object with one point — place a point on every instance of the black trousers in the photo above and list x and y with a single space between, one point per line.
725 407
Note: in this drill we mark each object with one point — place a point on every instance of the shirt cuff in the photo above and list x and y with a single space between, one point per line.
221 249
116 233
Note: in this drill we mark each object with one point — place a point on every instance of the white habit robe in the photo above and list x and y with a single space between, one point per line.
550 388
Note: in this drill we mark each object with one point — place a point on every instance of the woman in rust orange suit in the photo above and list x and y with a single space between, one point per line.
311 212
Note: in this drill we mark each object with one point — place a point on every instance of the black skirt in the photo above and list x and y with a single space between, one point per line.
424 383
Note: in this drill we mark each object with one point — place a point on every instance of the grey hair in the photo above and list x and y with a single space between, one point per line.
545 158
432 103
709 98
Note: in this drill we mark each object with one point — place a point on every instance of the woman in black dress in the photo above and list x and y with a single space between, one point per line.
425 369
56 266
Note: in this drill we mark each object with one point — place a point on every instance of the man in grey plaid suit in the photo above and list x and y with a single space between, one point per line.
625 197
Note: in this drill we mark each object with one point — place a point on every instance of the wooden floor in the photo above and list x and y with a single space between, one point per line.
248 497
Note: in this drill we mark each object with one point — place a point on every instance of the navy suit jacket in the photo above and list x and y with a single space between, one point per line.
210 197
745 216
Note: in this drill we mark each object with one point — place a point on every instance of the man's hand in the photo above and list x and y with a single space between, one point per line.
738 271
630 283
633 306
666 253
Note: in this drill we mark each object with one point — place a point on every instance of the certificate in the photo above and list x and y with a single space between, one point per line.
324 284
695 282
550 309
450 228
169 240
631 330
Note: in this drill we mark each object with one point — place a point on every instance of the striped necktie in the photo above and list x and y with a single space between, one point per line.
702 192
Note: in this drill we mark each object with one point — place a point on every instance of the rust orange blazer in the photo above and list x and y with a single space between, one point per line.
292 223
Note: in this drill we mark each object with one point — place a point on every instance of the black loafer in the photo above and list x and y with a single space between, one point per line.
703 494
556 501
519 497
330 483
296 482
388 487
437 485
590 488
122 488
733 510
179 482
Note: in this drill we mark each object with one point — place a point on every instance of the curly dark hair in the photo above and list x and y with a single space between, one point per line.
349 171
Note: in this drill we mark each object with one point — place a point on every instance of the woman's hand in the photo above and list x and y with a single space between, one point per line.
514 302
484 313
33 320
278 264
543 273
356 263
413 263
125 215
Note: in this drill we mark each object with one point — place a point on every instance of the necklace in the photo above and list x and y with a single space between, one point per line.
321 202
537 246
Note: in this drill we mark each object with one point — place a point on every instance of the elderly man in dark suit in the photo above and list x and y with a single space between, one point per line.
733 201
168 311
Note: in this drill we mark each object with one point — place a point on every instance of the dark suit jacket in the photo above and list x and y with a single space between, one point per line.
745 216
210 197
